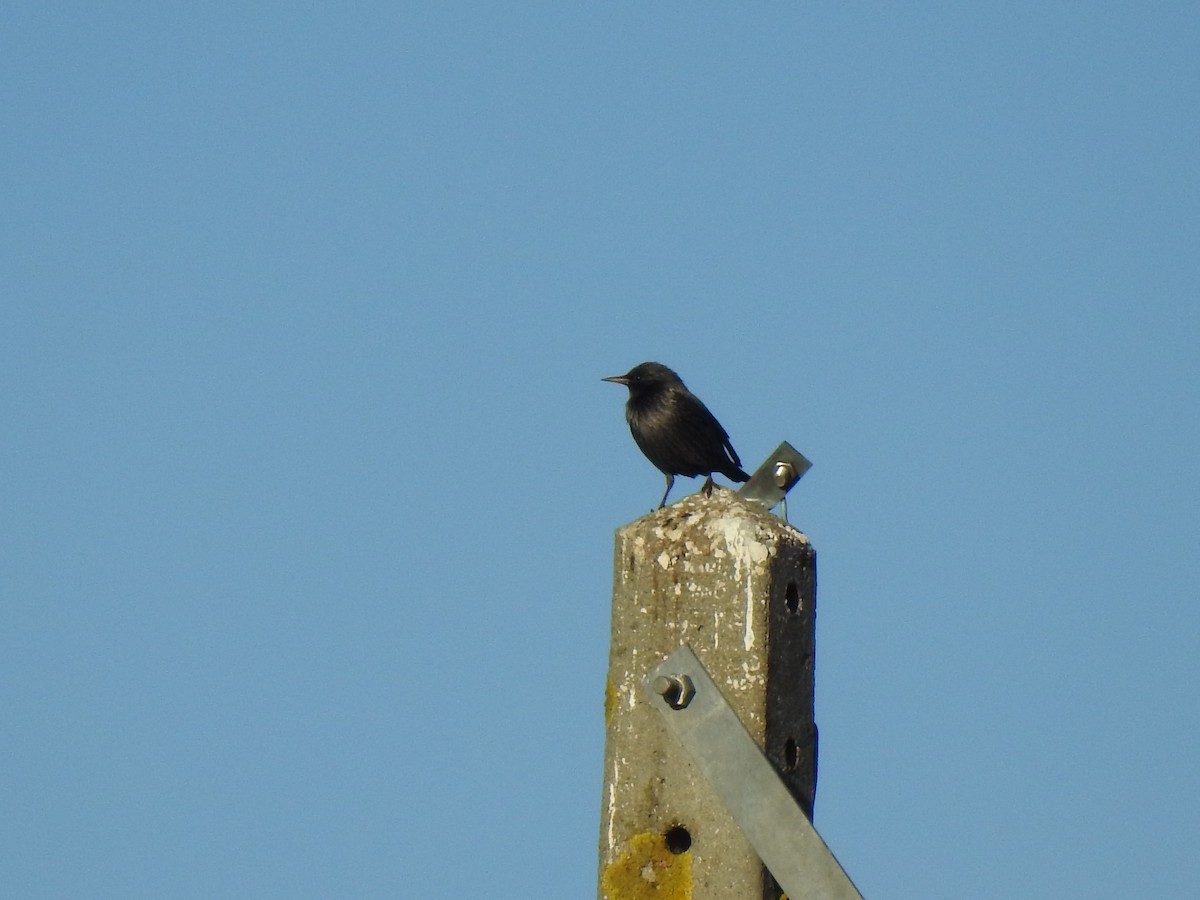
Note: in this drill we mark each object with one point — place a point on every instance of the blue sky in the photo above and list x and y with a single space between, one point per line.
309 479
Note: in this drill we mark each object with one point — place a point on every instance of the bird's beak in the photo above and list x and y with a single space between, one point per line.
617 379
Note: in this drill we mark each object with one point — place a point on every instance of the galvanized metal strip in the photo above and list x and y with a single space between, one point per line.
696 712
776 476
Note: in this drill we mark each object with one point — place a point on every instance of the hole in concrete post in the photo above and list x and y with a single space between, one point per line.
791 754
678 839
792 597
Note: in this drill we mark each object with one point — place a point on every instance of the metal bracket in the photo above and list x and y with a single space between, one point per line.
696 712
774 478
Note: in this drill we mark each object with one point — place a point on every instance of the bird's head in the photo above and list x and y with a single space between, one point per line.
646 377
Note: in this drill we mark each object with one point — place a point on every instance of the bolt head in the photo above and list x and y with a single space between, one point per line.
785 475
677 690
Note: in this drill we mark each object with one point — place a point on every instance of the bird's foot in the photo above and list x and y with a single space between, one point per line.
708 486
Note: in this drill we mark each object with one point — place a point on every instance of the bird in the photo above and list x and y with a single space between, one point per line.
674 429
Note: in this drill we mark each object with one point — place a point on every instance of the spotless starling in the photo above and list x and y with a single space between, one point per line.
674 429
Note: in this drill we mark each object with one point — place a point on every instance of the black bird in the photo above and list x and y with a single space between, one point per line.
674 429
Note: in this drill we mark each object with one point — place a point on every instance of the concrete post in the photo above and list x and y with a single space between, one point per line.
739 585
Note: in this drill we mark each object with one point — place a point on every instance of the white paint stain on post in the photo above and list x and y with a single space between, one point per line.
748 636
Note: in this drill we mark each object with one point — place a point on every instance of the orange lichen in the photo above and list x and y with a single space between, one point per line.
647 870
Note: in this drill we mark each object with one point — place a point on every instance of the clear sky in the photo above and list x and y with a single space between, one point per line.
308 478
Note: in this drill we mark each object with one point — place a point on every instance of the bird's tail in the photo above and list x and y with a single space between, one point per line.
733 473
733 465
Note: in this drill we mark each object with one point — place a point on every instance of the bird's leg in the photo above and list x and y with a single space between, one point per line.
670 481
708 485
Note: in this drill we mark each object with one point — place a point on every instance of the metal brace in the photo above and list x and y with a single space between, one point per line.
696 712
774 478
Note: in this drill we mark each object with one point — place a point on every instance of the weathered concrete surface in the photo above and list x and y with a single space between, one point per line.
738 585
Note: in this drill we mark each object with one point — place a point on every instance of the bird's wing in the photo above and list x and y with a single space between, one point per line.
701 438
732 453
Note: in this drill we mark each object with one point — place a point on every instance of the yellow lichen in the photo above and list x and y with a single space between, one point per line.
648 871
610 700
